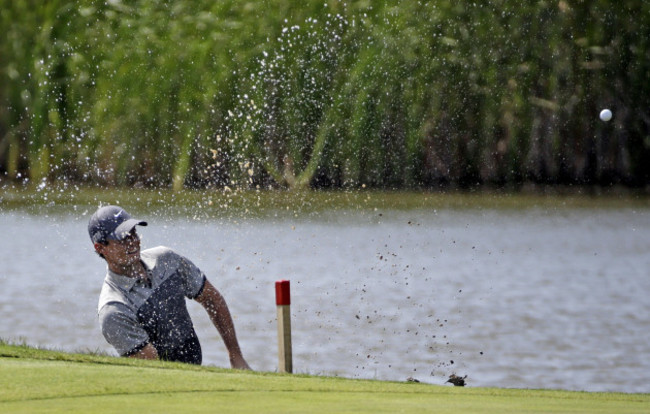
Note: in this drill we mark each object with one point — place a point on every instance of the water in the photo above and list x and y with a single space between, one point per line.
522 299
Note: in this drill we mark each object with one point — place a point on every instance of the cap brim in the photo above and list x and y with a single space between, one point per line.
125 228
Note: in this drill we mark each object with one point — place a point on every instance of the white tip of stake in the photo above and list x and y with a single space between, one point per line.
605 115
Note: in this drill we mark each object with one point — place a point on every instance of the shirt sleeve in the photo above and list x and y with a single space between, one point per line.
120 328
193 278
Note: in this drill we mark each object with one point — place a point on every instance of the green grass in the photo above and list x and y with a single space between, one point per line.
34 380
250 203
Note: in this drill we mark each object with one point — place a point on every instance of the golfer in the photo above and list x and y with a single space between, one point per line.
142 310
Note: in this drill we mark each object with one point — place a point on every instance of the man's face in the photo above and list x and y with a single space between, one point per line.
121 253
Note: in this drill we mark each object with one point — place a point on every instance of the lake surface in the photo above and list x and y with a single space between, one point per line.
521 299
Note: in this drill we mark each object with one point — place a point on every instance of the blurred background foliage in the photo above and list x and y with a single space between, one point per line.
275 93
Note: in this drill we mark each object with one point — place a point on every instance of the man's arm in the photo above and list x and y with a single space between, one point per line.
148 352
216 306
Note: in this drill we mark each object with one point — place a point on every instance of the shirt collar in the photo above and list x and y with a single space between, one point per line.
123 282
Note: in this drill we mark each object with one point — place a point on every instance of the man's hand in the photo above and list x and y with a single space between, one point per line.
238 362
148 352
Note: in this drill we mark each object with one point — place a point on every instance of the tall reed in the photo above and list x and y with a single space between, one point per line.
387 94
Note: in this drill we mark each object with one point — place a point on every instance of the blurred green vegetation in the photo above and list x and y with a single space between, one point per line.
245 204
324 94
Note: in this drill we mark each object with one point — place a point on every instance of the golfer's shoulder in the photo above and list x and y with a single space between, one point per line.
160 253
163 256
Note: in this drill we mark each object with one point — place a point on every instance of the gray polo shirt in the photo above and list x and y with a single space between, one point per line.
132 314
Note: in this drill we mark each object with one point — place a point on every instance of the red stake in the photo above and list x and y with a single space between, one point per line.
282 292
283 302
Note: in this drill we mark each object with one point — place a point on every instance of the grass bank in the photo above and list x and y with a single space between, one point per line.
35 380
250 203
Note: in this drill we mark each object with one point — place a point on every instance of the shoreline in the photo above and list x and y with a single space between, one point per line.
252 203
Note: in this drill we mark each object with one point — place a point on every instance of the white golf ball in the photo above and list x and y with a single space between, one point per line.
605 115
